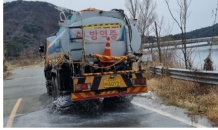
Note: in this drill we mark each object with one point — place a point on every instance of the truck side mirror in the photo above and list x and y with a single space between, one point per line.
41 49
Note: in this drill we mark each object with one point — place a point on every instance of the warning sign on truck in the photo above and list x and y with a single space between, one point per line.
99 33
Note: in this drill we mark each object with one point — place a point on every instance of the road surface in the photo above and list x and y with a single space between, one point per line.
26 104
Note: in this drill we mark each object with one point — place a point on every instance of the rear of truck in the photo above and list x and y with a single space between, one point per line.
92 56
109 85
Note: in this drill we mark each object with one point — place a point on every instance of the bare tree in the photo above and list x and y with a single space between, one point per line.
162 32
158 43
145 11
147 15
158 27
183 15
215 11
208 63
132 7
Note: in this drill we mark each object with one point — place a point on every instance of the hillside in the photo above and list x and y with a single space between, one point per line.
27 24
198 33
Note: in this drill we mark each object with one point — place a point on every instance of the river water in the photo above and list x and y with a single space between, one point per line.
198 54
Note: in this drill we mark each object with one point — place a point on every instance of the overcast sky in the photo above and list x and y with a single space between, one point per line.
201 10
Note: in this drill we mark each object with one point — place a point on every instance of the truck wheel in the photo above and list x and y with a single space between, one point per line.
49 89
54 88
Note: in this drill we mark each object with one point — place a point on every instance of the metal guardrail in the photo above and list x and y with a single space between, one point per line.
207 77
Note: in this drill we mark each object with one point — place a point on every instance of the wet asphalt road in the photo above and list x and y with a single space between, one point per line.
36 108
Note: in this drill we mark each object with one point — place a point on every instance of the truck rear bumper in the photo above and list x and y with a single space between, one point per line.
107 93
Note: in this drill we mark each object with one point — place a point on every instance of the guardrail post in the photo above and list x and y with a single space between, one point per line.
152 69
166 72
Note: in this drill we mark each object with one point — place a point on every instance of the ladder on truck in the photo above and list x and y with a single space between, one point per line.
77 49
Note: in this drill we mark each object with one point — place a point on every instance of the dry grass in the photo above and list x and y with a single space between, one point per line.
6 74
18 63
199 99
25 62
215 41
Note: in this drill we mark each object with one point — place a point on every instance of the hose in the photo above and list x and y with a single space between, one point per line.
130 29
106 66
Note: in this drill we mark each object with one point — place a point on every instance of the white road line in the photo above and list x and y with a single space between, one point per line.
170 115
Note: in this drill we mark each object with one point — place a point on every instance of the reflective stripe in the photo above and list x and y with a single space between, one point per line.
111 93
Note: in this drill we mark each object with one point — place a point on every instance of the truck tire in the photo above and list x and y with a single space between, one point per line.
49 88
54 88
49 91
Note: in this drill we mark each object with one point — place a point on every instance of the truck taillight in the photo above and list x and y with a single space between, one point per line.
84 86
80 87
140 81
